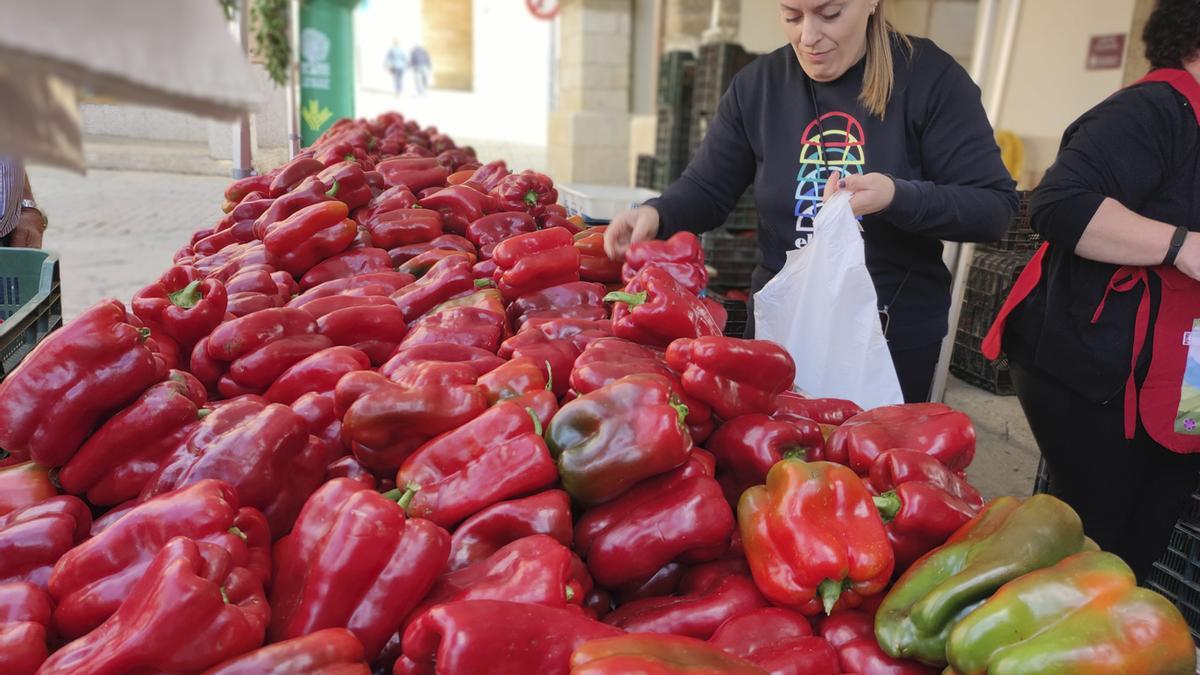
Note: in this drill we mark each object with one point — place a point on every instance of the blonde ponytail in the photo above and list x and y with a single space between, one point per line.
880 76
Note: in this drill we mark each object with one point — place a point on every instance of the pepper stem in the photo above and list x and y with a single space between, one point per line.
631 299
224 595
237 532
830 591
570 594
143 334
530 198
403 497
797 453
201 413
537 422
549 376
186 297
333 190
888 504
484 283
681 409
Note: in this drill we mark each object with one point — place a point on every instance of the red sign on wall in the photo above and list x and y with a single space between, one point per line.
1106 52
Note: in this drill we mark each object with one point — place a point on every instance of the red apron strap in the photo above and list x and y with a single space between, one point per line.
1183 82
1026 282
1124 280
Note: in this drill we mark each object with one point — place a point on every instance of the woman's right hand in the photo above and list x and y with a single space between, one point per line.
1188 260
630 227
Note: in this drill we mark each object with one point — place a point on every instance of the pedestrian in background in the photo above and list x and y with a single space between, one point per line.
21 221
396 62
419 61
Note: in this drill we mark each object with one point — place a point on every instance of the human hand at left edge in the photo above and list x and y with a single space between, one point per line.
873 192
29 229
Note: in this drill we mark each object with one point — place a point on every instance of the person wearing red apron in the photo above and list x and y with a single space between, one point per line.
1102 330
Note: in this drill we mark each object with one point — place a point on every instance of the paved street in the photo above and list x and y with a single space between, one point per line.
116 230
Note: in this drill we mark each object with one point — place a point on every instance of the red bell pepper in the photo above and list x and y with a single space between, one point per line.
536 570
921 501
778 640
488 176
319 411
91 581
813 538
496 456
238 189
831 411
400 227
257 279
681 256
353 561
420 265
747 447
515 378
607 441
32 539
656 655
597 603
185 305
654 310
24 619
574 300
664 582
488 299
376 331
316 374
558 342
679 515
933 428
453 242
718 312
734 376
390 199
372 283
594 263
259 347
385 422
24 484
460 205
447 278
547 219
525 191
292 174
530 262
333 303
493 637
479 360
416 174
191 609
115 463
492 229
708 596
608 359
852 634
486 270
309 193
81 373
331 651
243 304
463 325
310 235
454 158
349 263
262 449
489 530
348 182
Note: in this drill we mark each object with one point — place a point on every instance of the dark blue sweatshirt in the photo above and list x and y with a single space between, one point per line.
934 140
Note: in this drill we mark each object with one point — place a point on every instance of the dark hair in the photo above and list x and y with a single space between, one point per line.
1172 33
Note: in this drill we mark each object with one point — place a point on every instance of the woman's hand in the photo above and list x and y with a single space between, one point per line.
1188 260
873 192
639 224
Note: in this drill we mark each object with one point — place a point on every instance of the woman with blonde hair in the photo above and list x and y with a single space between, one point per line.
849 103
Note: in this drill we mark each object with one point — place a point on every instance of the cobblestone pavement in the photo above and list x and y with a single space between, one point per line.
115 231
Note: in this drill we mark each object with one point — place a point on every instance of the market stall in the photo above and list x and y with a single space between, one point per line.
397 411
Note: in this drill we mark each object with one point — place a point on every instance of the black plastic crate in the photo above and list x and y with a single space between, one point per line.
722 246
676 78
1020 236
647 165
735 325
1185 593
728 276
993 273
968 363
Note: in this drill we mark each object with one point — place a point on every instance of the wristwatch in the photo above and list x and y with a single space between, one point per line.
29 204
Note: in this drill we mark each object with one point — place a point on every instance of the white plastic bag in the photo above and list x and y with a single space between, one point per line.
822 308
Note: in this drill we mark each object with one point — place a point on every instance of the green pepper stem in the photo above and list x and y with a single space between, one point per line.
681 410
631 299
403 497
888 504
549 377
570 594
830 591
537 422
143 334
186 297
201 413
224 595
237 532
333 190
484 283
797 453
530 198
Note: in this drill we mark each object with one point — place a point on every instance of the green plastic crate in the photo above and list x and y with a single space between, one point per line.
30 302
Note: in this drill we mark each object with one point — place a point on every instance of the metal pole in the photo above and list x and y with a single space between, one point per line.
293 81
242 165
958 257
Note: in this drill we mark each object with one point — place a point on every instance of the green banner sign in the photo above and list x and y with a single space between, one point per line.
326 65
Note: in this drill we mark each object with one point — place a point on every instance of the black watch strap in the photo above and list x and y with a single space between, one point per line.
1177 239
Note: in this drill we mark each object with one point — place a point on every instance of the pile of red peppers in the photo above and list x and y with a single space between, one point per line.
397 412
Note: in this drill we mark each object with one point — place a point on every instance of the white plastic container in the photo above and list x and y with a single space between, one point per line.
600 203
